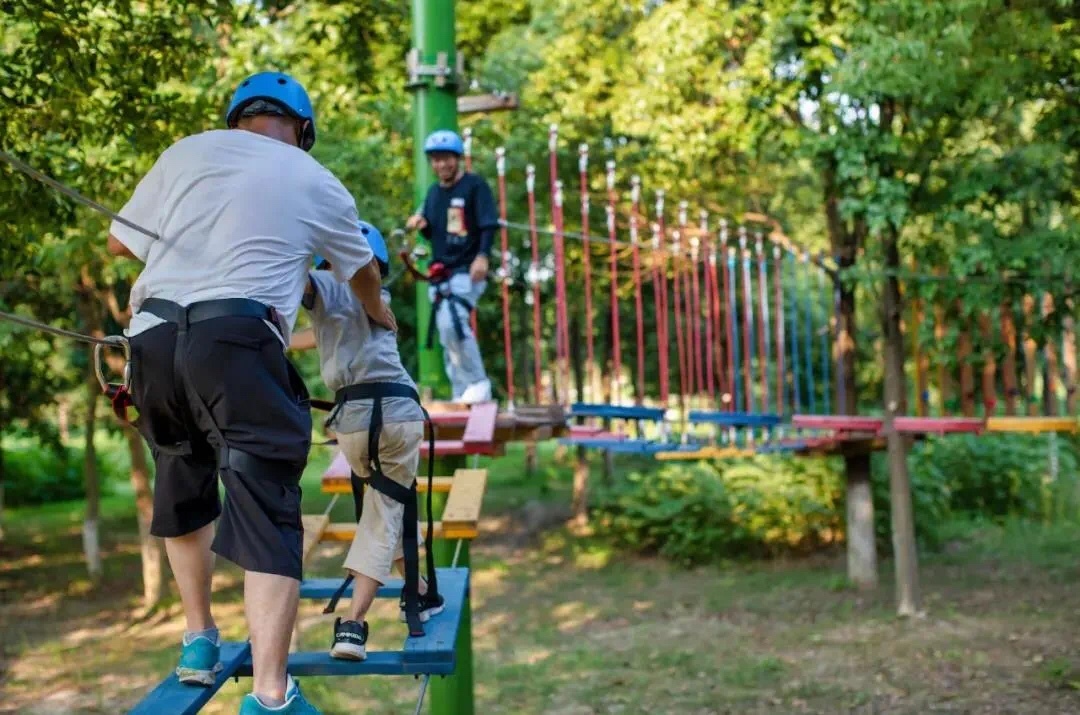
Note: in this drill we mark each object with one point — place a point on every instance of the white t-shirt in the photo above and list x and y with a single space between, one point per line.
354 351
239 215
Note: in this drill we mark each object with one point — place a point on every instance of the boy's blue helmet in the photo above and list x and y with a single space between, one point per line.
378 246
444 140
283 91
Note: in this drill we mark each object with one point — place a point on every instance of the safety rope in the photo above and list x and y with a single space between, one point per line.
73 194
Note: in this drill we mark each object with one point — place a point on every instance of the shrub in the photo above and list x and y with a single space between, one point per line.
36 473
703 512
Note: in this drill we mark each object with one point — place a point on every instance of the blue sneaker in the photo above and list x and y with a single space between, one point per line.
200 661
295 704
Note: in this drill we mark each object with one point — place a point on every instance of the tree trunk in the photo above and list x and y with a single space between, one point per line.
861 541
153 555
91 540
903 525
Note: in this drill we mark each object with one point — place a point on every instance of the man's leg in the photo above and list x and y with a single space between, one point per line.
270 603
192 564
452 345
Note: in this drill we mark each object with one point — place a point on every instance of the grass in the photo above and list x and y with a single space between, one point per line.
566 625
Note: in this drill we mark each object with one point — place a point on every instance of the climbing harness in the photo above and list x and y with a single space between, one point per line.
376 392
438 275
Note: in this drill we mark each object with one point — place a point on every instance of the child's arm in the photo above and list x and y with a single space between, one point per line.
303 339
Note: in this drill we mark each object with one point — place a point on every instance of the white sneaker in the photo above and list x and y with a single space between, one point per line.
476 393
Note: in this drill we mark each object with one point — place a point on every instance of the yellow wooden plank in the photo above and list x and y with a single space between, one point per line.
341 485
344 531
1031 424
466 498
314 527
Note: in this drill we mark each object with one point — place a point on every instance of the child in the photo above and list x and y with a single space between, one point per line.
379 426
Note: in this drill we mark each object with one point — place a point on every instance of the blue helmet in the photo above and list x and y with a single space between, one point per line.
444 140
282 90
378 246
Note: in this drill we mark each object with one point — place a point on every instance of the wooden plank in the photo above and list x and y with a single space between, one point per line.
480 429
465 500
705 453
176 698
339 485
1031 425
345 530
476 103
314 526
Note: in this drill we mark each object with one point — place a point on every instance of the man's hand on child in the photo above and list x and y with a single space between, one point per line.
479 269
416 222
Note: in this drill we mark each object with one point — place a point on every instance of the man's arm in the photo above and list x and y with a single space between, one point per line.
487 219
116 248
366 285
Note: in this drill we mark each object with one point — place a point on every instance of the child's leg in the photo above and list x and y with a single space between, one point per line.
379 531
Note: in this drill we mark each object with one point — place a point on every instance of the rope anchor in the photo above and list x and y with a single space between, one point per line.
122 343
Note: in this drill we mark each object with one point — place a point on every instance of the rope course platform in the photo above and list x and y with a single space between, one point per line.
524 423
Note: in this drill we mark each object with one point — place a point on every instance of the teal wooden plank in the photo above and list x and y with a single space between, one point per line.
176 698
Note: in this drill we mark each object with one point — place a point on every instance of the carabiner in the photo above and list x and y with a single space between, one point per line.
99 370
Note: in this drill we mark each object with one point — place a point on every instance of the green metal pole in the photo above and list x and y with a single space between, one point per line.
434 108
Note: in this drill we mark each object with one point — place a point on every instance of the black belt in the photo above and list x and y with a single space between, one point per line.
185 316
376 392
454 318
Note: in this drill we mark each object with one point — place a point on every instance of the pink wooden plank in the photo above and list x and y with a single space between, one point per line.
338 468
480 429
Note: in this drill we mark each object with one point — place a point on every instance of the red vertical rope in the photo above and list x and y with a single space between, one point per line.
561 311
590 356
763 320
699 355
660 247
500 169
726 252
534 276
710 305
676 289
616 346
748 319
635 199
659 265
778 262
685 267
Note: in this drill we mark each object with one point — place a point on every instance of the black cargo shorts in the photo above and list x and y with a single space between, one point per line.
230 380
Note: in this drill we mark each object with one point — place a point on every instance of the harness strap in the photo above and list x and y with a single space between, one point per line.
185 316
376 391
453 300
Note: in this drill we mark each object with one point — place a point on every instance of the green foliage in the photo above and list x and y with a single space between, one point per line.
705 512
37 472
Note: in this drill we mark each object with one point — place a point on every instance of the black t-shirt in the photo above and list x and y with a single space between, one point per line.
462 220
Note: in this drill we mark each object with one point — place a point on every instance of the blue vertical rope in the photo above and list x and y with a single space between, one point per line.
808 302
733 304
825 335
763 300
796 402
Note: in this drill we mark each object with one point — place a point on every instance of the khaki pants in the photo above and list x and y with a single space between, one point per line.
377 543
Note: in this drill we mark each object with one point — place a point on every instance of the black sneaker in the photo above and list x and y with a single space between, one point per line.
350 640
430 605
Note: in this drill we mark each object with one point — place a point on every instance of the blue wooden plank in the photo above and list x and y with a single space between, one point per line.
781 447
625 412
176 698
324 588
377 663
440 633
734 419
627 446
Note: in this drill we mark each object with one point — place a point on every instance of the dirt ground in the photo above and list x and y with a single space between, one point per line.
565 626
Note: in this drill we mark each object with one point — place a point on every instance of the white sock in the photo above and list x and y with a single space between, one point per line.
290 690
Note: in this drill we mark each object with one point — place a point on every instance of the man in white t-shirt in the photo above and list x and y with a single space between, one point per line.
239 213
